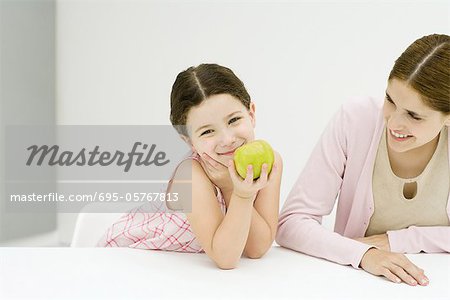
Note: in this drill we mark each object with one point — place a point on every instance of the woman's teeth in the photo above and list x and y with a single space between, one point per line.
398 135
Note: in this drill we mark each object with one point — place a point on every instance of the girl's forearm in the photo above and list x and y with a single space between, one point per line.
260 237
231 236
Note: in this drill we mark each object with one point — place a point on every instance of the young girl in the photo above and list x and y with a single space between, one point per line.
230 215
389 163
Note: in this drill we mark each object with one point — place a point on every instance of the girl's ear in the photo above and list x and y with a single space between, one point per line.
187 140
252 113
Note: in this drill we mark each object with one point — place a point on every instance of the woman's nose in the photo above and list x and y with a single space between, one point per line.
396 120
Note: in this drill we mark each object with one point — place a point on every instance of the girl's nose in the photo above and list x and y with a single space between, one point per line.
228 138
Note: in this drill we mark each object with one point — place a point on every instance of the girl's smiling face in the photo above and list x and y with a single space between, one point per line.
219 125
410 124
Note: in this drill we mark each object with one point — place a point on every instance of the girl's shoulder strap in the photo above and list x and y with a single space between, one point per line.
196 156
193 155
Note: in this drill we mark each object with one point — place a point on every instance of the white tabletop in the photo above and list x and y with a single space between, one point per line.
121 273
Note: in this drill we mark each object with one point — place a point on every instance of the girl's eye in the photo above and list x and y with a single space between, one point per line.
206 132
234 119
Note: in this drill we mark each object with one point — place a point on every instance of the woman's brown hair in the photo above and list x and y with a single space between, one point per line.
425 66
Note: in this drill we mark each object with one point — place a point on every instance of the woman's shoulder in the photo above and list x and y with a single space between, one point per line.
362 107
361 115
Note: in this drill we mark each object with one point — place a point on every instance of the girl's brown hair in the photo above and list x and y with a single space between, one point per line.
194 85
425 66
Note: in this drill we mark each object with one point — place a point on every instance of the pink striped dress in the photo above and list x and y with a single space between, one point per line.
141 229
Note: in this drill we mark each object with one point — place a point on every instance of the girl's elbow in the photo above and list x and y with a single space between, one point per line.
256 252
226 264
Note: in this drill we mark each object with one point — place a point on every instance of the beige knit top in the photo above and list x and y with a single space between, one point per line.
427 207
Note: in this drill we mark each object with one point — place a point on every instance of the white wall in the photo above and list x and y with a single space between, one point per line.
117 60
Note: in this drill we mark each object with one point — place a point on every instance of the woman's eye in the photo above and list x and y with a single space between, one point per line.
414 117
234 119
389 100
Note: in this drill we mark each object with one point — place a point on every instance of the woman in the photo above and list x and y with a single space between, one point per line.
389 164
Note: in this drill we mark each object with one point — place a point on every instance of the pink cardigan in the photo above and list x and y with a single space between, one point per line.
342 164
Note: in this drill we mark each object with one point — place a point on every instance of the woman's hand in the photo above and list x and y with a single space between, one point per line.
394 266
381 241
217 172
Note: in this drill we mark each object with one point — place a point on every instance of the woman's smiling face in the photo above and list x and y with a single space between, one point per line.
410 123
219 125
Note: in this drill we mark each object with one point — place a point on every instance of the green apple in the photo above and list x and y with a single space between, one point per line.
254 153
